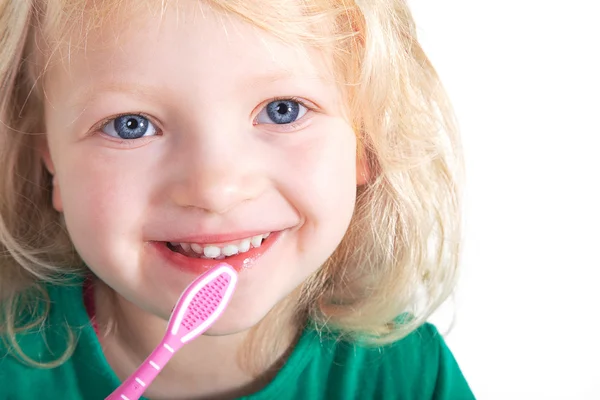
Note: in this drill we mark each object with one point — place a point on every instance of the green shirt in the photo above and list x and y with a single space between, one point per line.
418 367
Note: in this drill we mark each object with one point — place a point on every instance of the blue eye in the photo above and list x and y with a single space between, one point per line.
281 112
129 126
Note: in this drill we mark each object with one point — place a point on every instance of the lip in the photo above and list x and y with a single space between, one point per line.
239 262
218 239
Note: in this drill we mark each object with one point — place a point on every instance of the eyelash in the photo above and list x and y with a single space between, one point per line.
298 100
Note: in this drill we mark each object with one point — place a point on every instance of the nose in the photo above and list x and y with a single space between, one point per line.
216 174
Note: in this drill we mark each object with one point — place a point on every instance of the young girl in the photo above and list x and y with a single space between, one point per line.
306 143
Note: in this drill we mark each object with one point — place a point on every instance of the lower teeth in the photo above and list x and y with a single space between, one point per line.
202 256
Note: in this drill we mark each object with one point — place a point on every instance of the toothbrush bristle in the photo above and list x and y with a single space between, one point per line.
205 302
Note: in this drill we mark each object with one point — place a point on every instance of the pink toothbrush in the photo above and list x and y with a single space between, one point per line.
198 307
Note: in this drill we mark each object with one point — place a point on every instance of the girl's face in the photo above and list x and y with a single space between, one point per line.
193 133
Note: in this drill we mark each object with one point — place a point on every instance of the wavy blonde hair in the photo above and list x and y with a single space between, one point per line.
400 255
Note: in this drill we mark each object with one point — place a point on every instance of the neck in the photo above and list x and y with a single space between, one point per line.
215 367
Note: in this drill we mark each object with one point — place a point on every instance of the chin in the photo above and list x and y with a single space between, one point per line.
232 324
241 316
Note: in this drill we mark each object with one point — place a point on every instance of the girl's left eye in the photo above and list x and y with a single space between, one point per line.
281 112
130 126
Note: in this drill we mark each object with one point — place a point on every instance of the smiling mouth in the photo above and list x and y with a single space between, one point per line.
198 258
218 251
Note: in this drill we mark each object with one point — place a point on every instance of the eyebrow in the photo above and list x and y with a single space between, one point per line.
270 77
280 75
150 91
138 90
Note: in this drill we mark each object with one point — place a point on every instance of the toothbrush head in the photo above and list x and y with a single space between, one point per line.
202 302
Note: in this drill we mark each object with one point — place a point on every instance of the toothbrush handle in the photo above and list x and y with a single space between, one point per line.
133 388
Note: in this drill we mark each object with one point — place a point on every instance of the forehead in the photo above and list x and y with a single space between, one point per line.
179 44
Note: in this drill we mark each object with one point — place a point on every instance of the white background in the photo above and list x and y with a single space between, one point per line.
524 77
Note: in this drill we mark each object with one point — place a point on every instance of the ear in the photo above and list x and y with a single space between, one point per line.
44 151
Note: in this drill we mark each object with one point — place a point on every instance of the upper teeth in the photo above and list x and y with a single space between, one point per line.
230 249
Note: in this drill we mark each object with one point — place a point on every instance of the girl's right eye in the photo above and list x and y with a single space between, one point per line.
130 126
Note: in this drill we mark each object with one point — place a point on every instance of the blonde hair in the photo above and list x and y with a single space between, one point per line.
398 260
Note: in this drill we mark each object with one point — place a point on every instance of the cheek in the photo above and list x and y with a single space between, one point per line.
99 202
323 187
329 173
